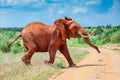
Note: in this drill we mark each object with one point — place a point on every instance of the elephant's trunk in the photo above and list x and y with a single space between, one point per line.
90 44
86 36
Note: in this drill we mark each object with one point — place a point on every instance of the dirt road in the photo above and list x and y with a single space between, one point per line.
104 66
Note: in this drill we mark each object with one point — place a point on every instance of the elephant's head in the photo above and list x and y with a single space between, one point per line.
70 29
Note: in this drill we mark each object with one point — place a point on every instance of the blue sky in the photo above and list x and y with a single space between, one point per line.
18 13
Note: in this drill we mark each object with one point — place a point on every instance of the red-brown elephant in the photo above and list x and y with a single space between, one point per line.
38 37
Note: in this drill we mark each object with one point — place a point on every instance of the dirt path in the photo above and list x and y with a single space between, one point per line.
104 66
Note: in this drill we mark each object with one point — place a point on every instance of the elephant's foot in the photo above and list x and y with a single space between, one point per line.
72 65
48 62
26 61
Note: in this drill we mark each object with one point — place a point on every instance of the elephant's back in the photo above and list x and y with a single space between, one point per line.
36 26
39 32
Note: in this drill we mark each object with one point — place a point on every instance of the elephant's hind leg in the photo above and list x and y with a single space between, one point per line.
27 57
31 48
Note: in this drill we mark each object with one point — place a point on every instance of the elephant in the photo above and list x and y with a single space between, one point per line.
39 37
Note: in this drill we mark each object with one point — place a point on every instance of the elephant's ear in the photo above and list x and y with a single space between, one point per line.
59 24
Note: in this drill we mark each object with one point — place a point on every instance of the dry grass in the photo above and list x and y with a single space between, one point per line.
12 68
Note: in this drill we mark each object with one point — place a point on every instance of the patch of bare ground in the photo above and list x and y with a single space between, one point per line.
103 66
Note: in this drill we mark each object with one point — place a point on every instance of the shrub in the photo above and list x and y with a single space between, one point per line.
3 43
5 38
96 40
98 31
105 40
115 38
17 47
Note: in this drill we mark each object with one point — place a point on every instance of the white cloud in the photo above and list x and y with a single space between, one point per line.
21 2
92 2
80 10
75 1
30 1
9 2
115 6
61 11
114 14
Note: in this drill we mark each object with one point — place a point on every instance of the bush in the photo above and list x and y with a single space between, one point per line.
5 38
3 47
96 40
4 43
98 31
17 47
105 40
115 38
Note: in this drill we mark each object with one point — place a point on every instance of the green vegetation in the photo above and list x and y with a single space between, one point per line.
116 49
108 34
6 36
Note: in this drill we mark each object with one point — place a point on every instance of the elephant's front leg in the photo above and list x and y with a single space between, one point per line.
64 50
52 53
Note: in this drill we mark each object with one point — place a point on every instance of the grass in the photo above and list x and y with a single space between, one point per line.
116 49
77 54
73 42
112 46
12 68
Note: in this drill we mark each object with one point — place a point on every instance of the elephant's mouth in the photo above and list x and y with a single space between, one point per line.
70 34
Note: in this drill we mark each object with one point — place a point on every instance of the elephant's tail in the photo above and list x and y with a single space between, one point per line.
9 45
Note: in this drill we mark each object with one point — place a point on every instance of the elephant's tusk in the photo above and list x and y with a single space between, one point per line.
89 35
85 36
